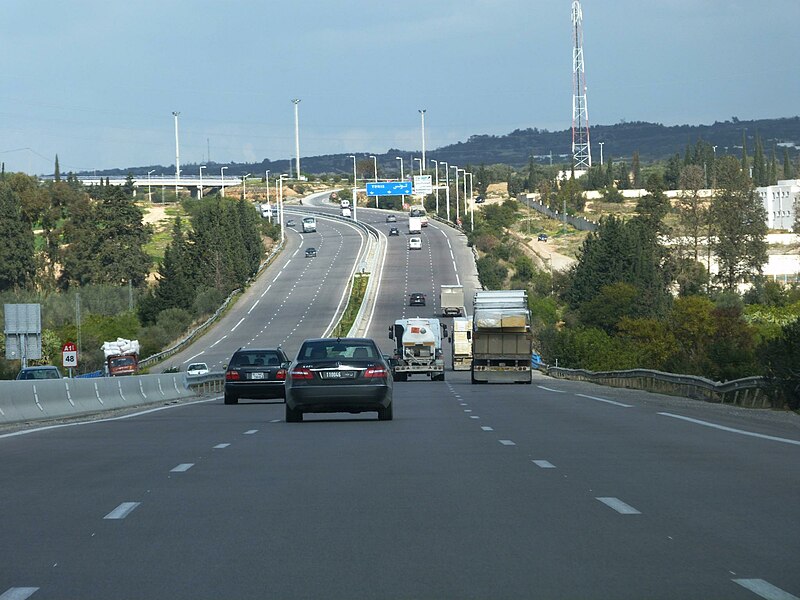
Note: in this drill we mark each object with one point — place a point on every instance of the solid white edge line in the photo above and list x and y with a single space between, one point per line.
18 593
760 588
619 506
732 430
136 414
122 511
606 401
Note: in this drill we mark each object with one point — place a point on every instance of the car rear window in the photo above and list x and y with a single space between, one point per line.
337 350
255 358
40 374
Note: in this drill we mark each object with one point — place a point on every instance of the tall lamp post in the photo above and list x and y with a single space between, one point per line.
601 153
296 102
402 176
458 214
177 155
200 191
280 205
471 205
464 171
375 175
222 175
436 169
244 187
422 115
149 193
447 188
355 185
266 178
420 164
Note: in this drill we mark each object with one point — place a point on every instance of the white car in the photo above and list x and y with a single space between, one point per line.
415 243
197 369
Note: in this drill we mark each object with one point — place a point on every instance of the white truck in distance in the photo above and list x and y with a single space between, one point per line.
418 348
451 299
414 225
461 344
309 224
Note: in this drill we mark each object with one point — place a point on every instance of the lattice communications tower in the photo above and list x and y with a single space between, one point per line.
581 150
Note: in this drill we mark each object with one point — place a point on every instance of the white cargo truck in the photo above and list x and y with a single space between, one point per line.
418 348
501 337
451 299
414 225
461 344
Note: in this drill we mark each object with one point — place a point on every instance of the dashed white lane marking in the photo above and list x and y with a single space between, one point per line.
467 410
757 586
732 430
122 511
251 431
239 323
487 428
18 593
182 468
193 357
218 341
541 387
605 400
544 464
275 421
254 305
507 442
455 268
619 506
264 293
474 417
220 446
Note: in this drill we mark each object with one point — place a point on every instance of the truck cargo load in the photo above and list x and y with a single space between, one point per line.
451 299
462 344
414 225
121 357
501 337
418 348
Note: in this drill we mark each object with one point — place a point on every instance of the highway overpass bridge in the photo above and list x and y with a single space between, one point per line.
191 183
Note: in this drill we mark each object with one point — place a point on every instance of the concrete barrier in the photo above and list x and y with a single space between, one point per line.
22 401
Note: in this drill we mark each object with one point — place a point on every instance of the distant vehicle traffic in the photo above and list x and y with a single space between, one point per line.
451 299
418 348
339 375
414 225
415 243
290 223
121 357
416 299
255 373
391 219
542 237
311 252
197 369
309 224
346 213
418 212
37 373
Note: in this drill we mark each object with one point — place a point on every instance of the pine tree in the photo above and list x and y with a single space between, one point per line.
176 279
760 174
56 171
636 169
745 161
17 264
787 165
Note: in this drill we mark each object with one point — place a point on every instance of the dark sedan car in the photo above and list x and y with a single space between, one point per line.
256 373
339 375
311 252
394 231
416 299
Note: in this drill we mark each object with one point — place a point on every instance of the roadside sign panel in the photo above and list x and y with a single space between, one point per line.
423 185
69 355
389 188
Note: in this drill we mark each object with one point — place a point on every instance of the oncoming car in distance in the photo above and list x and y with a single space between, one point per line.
415 243
255 373
197 369
311 252
43 372
339 375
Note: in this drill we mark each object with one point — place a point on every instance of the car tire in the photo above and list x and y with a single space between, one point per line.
231 399
386 414
293 415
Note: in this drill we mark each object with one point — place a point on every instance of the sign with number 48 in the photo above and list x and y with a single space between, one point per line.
69 355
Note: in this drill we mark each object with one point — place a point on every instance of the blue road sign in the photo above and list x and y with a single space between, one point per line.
389 188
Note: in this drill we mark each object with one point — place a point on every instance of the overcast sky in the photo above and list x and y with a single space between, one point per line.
96 81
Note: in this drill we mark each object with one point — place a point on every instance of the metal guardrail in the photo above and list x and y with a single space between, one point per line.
747 392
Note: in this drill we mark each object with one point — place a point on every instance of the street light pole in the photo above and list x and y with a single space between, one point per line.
375 175
296 101
222 175
149 193
177 155
402 176
601 153
458 209
420 164
266 178
244 187
200 191
471 205
447 188
464 171
355 185
422 115
280 206
436 168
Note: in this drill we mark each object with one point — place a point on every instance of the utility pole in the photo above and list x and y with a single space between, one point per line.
177 155
422 114
296 102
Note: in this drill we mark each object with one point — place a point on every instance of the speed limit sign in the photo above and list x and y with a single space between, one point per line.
69 355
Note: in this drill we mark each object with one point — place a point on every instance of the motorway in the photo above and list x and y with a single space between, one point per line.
555 490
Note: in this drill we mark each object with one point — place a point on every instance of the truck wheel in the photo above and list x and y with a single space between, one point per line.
439 377
231 399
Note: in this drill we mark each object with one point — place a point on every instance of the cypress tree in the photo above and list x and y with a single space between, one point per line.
745 165
773 168
760 174
636 170
17 264
57 171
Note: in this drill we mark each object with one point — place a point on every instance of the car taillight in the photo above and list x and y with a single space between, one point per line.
231 375
301 373
281 374
376 372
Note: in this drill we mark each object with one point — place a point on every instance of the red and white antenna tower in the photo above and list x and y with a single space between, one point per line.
581 150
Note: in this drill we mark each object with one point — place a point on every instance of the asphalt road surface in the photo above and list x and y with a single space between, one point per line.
554 490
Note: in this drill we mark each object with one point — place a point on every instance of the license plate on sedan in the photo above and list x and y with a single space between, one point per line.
338 374
257 375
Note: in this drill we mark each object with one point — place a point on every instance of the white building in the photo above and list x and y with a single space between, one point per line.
781 202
